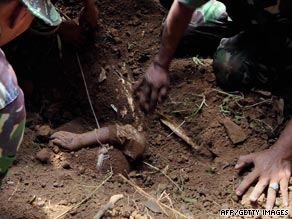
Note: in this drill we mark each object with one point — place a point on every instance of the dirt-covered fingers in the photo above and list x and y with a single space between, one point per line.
258 189
59 142
162 93
284 183
142 92
247 181
272 193
244 160
60 134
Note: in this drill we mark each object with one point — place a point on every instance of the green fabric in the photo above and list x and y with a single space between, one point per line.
212 10
19 130
5 163
44 10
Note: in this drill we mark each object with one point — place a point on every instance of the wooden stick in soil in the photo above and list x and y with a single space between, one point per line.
148 196
175 128
108 206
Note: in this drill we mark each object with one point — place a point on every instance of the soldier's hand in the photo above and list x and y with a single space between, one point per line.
269 169
152 88
89 17
71 33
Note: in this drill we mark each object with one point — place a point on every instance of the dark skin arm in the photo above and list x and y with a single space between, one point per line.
89 14
72 33
270 166
154 85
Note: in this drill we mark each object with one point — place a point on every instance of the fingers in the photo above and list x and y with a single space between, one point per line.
59 134
284 190
153 99
258 190
59 142
247 181
143 97
271 198
244 160
162 94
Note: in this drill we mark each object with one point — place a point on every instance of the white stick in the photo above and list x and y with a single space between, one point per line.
109 205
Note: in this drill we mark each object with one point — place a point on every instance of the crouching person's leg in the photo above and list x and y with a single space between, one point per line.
12 123
240 63
12 116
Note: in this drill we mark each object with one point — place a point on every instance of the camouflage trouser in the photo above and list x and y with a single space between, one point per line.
245 56
12 115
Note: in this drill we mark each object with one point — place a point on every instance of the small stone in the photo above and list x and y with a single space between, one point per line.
44 155
63 202
41 204
10 183
43 184
55 184
235 132
43 133
73 201
235 198
81 170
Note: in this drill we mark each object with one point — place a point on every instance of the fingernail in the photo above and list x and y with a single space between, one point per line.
236 166
268 207
252 198
285 203
238 192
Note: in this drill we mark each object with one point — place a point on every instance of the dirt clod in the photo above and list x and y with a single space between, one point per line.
235 132
44 155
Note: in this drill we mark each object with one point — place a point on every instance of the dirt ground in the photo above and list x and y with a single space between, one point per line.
69 185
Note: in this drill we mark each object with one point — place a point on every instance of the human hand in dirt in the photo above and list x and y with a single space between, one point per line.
71 33
152 88
67 140
269 169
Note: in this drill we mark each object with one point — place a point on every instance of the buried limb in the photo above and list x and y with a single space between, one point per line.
126 138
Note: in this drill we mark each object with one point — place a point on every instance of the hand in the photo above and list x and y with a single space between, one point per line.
269 167
152 88
89 16
67 140
71 33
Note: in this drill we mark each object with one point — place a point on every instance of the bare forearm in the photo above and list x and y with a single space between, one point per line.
283 146
176 23
94 137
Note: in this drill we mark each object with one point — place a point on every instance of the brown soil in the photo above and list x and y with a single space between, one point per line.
128 37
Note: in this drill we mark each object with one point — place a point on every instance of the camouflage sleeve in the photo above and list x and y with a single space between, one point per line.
12 115
193 3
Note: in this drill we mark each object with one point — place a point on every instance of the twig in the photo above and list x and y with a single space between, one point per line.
255 104
231 94
155 168
16 188
180 125
85 199
109 205
145 194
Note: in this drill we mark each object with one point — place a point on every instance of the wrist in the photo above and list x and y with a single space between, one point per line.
283 151
162 63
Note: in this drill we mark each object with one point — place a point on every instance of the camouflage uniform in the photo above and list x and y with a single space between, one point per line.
12 115
253 36
12 109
